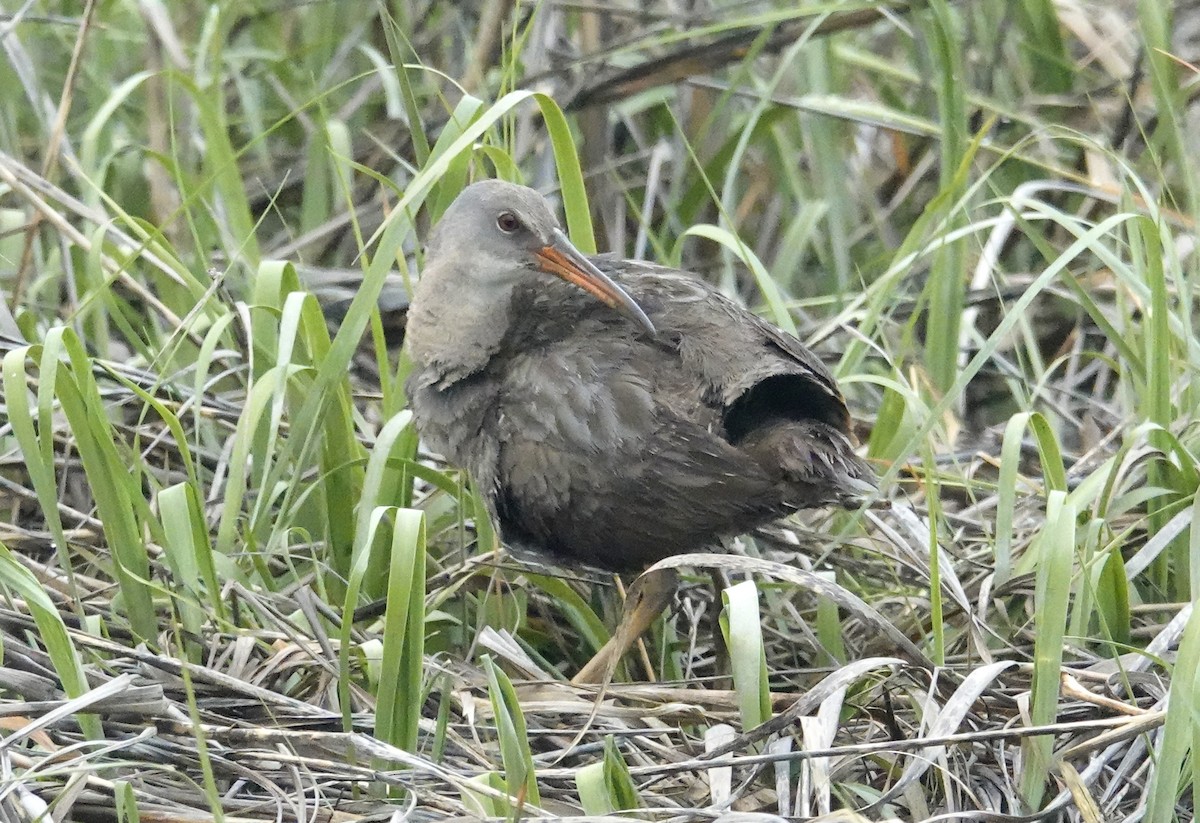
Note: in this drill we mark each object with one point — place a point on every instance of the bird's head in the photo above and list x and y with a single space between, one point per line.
496 235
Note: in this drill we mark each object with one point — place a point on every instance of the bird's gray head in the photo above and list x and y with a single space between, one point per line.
496 235
498 226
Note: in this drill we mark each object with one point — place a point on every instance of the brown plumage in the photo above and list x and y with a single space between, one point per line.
612 412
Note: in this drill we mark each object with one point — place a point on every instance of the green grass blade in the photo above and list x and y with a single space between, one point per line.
741 621
520 773
593 790
1112 603
189 554
399 703
1056 550
766 284
117 492
487 804
52 631
384 485
36 450
354 586
125 800
1050 66
607 786
946 281
1180 729
574 609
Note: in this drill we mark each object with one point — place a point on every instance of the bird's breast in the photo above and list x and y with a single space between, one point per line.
456 419
576 401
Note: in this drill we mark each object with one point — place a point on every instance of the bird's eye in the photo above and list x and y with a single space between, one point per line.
507 222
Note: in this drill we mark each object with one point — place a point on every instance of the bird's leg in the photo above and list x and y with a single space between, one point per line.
642 652
648 596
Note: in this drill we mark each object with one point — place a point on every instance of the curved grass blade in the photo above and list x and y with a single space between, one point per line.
53 633
399 703
741 621
520 773
37 452
1055 551
766 283
607 786
117 491
189 554
1180 732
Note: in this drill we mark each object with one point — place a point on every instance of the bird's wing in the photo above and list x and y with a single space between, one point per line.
752 367
594 457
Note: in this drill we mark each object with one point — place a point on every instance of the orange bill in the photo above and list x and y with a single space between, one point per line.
562 259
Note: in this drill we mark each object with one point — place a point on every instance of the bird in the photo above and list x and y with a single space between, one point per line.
612 412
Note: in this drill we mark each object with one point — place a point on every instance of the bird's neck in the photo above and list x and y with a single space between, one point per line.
454 339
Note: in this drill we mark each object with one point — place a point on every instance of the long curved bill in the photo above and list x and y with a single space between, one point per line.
562 259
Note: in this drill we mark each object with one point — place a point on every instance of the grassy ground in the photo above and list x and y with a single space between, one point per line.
981 213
